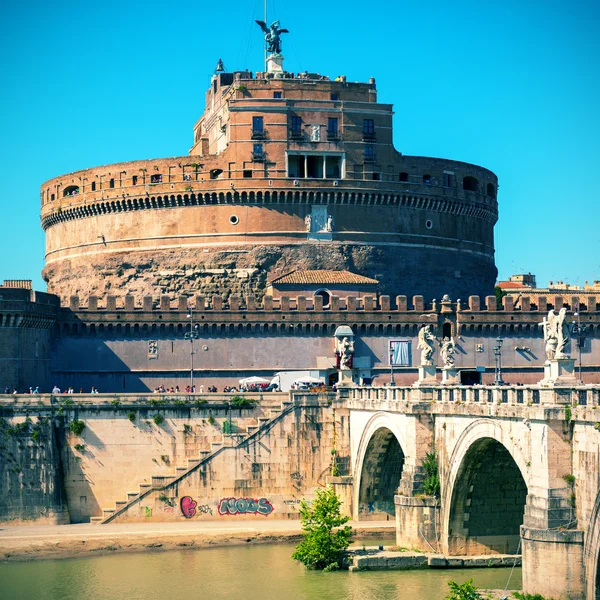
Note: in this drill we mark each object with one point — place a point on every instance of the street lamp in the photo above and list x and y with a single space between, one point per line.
580 333
498 357
391 350
192 334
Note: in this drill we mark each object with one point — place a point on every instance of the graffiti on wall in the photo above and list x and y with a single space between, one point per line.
245 506
190 508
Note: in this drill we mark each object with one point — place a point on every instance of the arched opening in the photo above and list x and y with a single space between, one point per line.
380 476
488 502
470 184
71 190
447 330
491 190
326 297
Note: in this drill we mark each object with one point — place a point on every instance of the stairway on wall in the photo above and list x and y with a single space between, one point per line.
229 441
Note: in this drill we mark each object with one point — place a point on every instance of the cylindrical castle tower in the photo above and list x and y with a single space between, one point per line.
286 172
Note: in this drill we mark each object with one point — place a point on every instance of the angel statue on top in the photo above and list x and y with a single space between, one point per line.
272 36
563 335
425 345
447 350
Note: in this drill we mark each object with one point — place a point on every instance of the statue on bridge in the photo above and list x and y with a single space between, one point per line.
556 334
425 345
447 350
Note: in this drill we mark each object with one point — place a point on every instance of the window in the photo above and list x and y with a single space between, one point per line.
247 174
277 95
72 190
403 177
326 297
335 97
134 180
52 197
156 178
376 176
257 152
427 178
258 131
368 129
93 186
399 353
257 124
447 179
369 153
296 124
491 190
111 184
332 127
470 184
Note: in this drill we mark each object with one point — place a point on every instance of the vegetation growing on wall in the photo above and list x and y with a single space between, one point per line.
76 426
431 484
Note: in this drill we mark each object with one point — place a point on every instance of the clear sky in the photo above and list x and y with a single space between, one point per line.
512 85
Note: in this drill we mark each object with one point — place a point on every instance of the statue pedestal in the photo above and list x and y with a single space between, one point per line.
275 63
345 378
559 371
426 376
450 376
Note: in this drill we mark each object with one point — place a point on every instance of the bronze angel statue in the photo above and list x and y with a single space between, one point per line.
272 36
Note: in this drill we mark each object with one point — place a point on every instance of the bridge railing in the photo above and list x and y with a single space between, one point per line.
521 395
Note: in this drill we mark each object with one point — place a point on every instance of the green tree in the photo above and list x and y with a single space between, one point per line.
463 591
499 293
322 547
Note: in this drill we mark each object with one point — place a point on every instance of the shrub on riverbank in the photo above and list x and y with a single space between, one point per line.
322 547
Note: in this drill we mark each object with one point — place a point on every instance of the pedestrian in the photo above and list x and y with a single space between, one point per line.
56 390
36 390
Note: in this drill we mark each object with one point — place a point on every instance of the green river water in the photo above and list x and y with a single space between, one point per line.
240 573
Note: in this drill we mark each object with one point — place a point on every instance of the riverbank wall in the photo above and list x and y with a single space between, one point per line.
135 458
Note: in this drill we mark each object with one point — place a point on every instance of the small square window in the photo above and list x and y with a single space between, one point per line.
376 176
157 178
247 174
277 95
335 96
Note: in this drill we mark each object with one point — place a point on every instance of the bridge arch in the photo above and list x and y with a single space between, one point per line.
378 468
591 553
485 492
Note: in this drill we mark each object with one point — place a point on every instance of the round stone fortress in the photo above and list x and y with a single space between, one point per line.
287 172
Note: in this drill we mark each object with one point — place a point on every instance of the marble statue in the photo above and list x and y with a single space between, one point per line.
345 350
447 350
308 222
550 334
425 345
563 335
329 224
272 34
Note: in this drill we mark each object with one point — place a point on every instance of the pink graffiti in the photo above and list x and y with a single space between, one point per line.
188 507
239 506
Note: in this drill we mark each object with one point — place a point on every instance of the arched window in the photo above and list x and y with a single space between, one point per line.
447 330
491 190
403 177
325 295
470 184
71 190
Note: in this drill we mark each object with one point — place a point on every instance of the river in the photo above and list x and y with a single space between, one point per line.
238 572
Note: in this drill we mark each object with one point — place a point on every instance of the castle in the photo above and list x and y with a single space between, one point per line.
292 214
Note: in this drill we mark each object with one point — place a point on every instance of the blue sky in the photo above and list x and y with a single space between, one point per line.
510 85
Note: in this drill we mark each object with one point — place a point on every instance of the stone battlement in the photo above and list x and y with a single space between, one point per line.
366 303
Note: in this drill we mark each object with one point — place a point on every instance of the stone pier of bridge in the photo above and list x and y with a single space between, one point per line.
518 472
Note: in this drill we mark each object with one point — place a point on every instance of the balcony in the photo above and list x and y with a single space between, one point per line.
369 136
296 134
259 134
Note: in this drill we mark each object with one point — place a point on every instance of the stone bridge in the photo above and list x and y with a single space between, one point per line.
518 470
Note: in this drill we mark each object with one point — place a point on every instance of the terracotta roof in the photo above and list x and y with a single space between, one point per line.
511 285
323 277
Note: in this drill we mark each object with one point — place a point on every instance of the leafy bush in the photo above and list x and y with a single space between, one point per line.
116 402
77 426
131 416
158 419
79 447
35 435
200 402
322 547
241 402
463 591
520 596
211 420
431 485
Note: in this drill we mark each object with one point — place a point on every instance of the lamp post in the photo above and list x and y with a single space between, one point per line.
498 357
580 333
392 381
192 334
